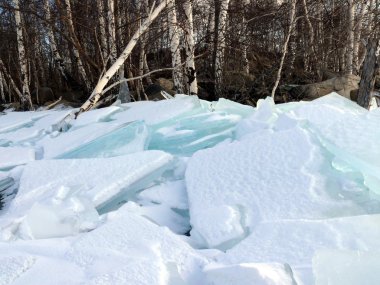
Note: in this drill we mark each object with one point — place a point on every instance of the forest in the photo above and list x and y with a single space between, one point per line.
242 50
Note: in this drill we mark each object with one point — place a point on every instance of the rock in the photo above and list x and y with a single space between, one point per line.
343 85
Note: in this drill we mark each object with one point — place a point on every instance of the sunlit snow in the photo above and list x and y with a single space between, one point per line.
185 191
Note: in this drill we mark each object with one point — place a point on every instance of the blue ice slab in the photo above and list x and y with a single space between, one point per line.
128 138
194 132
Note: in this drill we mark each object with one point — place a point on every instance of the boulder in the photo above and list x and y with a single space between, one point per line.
343 85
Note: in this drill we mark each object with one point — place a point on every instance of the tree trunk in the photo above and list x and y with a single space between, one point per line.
102 26
112 30
285 46
175 47
10 80
192 85
97 92
220 47
351 38
358 31
370 68
244 37
26 101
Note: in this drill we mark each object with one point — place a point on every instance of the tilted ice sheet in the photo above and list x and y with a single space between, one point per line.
68 186
125 139
296 242
157 112
15 120
354 140
194 132
13 156
270 177
346 267
59 143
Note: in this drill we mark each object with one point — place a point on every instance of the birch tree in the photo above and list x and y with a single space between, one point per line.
286 43
97 92
221 20
26 100
189 48
351 38
102 30
244 37
175 47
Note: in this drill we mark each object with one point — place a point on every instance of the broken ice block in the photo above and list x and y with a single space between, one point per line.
270 177
59 143
232 107
153 113
296 242
15 120
128 138
13 156
105 181
60 215
191 133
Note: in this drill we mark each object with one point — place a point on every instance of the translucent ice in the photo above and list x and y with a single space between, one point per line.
104 182
125 139
270 177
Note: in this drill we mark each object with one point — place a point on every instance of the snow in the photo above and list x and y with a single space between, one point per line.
247 274
188 192
346 267
13 156
224 199
173 194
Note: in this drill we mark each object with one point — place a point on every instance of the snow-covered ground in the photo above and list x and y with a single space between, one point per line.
185 191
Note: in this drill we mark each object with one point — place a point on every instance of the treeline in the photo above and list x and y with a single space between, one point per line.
239 49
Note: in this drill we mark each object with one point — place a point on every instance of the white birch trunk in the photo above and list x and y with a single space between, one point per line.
189 48
112 30
221 45
357 41
102 27
175 47
286 43
97 92
80 65
244 37
351 38
26 101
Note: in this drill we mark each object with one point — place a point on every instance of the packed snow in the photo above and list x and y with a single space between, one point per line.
185 191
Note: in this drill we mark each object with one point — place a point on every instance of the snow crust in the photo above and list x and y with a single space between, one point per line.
185 191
